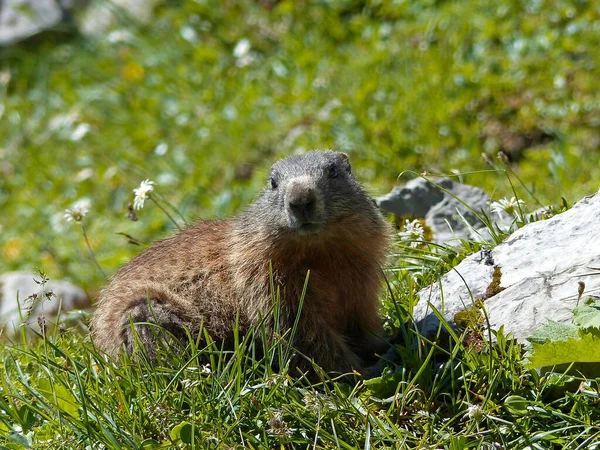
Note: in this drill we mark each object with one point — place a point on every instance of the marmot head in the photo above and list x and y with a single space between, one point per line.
311 193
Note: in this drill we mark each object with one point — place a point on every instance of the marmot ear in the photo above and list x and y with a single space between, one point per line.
345 162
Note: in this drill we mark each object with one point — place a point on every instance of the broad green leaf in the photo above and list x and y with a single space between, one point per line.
59 396
385 385
586 348
554 331
182 432
588 315
516 404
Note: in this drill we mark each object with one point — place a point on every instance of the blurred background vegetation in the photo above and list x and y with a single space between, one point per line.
204 96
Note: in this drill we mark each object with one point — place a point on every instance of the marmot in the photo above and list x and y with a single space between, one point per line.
312 216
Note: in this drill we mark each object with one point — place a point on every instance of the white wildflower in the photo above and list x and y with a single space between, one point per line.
318 403
117 36
142 193
78 211
276 379
80 131
206 369
189 34
161 149
511 207
188 384
475 412
62 121
413 232
279 427
4 77
110 172
57 222
242 53
242 48
84 174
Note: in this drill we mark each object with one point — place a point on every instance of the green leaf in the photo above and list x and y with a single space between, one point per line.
150 444
182 432
586 348
587 316
59 396
554 331
516 404
386 385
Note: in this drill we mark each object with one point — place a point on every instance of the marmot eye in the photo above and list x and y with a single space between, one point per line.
273 182
332 171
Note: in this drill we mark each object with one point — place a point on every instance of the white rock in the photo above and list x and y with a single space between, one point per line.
20 19
101 15
541 266
441 209
16 287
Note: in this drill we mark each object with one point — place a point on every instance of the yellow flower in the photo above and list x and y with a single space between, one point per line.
133 72
12 249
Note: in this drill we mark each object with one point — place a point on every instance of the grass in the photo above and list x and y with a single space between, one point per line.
419 86
465 393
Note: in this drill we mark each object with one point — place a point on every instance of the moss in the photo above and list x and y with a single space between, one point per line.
494 287
469 318
473 317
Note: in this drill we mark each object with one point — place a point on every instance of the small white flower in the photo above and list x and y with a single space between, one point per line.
57 222
242 48
511 207
161 149
188 384
62 121
110 172
78 211
84 174
318 403
80 131
413 232
4 77
279 427
189 34
119 36
142 193
475 412
206 369
276 379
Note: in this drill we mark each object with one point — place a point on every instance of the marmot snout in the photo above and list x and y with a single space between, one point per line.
303 203
312 215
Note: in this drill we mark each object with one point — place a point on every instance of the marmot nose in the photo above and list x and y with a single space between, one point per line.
301 202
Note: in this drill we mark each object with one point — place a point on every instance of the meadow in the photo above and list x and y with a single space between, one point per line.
201 100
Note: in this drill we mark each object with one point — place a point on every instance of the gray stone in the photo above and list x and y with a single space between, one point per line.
443 205
20 19
101 15
541 265
17 289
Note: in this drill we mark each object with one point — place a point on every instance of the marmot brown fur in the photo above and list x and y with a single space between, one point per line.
312 215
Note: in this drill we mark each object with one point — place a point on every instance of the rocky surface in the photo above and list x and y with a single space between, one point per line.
437 202
541 266
101 15
20 286
20 19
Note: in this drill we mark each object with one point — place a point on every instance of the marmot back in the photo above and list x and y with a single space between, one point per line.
312 215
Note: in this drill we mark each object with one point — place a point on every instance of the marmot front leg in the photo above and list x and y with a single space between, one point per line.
153 322
330 350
